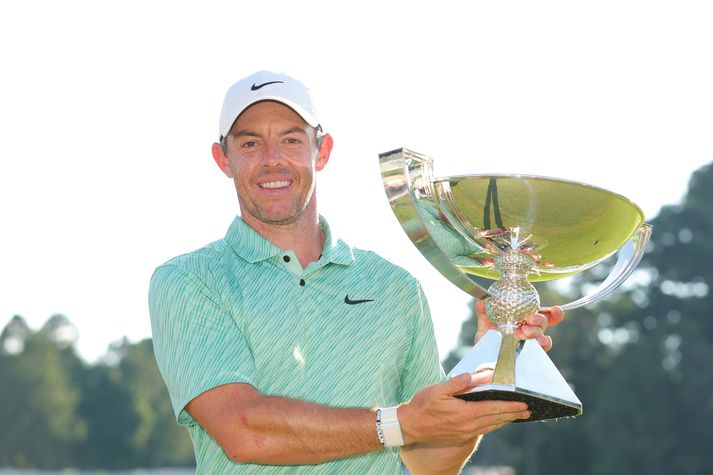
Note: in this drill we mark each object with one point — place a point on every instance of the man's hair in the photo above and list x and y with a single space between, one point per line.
319 135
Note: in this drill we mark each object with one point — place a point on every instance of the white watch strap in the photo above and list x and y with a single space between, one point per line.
391 427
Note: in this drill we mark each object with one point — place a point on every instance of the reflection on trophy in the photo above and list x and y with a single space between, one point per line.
514 229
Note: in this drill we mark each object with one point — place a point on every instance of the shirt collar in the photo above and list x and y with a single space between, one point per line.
252 247
335 250
248 244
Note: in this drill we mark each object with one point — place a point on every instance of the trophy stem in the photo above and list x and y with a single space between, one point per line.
514 297
505 366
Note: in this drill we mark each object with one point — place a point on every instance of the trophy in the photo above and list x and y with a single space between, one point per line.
514 229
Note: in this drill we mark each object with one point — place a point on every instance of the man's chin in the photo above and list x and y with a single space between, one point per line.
279 219
281 222
274 215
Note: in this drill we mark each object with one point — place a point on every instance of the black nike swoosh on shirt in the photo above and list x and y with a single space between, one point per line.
255 88
348 301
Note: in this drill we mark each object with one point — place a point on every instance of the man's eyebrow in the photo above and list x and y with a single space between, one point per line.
246 133
295 130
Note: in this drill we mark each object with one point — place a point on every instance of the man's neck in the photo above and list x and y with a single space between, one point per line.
305 237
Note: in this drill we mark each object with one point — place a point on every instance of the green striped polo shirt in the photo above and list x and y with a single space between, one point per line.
350 330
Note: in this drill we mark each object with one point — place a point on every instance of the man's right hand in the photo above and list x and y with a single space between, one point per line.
434 414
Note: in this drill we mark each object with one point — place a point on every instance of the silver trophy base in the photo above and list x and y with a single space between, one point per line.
536 379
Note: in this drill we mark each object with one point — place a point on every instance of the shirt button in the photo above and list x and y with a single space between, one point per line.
302 282
286 258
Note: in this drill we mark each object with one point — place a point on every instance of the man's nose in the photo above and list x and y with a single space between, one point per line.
272 155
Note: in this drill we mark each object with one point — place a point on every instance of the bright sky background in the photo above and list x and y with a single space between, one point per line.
108 110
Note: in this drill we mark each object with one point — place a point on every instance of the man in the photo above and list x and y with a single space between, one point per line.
286 351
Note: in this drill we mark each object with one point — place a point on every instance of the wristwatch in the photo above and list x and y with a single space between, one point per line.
388 428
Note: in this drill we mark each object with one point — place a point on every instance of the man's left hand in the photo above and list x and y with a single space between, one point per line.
532 326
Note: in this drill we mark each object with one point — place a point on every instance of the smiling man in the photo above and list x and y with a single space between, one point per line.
285 350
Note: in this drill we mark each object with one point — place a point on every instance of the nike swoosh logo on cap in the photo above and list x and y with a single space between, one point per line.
255 88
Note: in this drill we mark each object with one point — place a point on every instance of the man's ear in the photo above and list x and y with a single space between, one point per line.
221 159
324 152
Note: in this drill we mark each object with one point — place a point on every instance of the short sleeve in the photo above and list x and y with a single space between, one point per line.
197 344
423 367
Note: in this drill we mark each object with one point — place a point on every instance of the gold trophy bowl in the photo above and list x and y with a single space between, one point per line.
514 229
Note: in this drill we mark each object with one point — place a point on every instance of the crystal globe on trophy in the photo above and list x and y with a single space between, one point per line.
514 229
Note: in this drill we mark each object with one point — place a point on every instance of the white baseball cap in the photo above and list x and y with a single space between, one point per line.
266 86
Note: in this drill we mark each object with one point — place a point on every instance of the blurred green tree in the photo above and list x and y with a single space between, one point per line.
62 413
38 402
637 360
157 440
107 407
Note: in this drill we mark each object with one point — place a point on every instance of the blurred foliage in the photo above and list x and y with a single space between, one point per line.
639 361
60 412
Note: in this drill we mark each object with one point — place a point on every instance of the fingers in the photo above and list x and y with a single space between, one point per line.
506 410
538 320
544 319
465 382
532 326
494 427
534 332
480 308
491 415
484 429
554 315
478 417
545 342
483 321
483 375
478 378
458 384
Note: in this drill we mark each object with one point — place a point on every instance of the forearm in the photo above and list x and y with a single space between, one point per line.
438 458
269 430
276 430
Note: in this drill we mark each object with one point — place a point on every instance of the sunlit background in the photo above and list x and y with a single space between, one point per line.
108 111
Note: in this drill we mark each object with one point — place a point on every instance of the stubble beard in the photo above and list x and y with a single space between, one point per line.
295 212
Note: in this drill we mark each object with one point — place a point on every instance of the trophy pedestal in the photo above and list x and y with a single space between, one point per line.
535 379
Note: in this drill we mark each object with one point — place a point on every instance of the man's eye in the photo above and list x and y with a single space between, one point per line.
248 144
293 140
